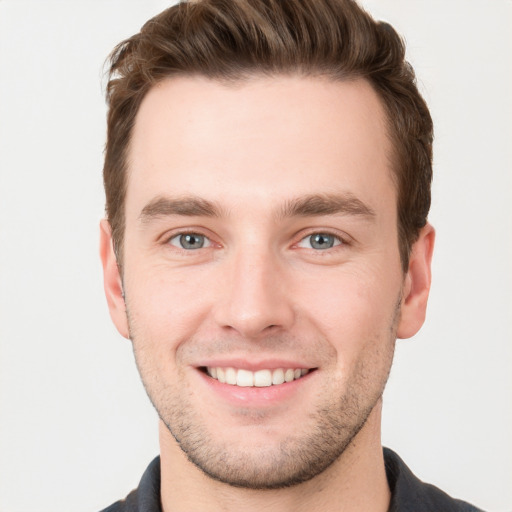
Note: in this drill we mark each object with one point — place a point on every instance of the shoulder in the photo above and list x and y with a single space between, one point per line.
409 493
146 498
129 504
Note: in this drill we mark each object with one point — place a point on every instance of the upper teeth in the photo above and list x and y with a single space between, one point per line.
260 378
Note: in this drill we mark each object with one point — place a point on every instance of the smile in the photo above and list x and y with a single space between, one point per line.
260 378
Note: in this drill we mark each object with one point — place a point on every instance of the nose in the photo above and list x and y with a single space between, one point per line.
255 298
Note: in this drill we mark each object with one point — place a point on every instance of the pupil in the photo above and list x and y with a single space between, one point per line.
192 241
322 241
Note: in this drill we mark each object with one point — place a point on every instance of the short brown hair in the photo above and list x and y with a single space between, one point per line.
235 39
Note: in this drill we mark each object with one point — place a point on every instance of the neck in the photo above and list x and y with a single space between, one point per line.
355 481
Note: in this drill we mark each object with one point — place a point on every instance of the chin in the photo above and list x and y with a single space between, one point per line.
273 461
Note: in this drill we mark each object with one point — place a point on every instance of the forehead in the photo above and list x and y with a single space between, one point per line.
272 136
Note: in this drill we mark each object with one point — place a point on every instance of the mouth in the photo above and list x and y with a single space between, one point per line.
259 379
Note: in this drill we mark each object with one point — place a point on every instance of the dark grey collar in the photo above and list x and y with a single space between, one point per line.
409 494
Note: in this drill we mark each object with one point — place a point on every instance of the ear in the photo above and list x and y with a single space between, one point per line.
112 281
417 284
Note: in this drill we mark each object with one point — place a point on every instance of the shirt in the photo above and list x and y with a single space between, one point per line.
408 493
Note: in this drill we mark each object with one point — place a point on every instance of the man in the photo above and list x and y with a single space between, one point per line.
267 174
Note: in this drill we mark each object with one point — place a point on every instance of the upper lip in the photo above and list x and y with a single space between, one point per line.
254 365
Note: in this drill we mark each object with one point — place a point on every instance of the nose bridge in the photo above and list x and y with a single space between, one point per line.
255 296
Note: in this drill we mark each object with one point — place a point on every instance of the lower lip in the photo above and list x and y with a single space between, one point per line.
255 396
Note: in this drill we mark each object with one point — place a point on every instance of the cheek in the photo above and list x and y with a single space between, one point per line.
353 299
167 306
355 313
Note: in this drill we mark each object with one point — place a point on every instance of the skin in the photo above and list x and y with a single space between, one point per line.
238 165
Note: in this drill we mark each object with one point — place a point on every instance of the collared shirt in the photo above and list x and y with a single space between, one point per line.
408 493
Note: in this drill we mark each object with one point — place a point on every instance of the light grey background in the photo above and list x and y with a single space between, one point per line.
76 429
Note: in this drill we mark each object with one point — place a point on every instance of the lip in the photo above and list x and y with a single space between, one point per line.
254 365
254 397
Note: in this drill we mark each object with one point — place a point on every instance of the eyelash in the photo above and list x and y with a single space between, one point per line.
339 241
188 233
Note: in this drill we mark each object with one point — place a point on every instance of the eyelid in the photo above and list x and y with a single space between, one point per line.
342 238
307 240
207 241
165 238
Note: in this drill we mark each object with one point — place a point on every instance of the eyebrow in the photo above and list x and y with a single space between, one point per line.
187 206
313 205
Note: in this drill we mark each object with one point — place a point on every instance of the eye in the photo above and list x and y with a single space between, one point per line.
319 241
190 241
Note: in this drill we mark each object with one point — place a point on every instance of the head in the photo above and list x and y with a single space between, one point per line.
267 175
230 42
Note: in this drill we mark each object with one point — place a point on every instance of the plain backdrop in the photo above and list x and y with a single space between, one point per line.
76 429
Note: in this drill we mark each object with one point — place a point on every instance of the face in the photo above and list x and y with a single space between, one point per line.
261 271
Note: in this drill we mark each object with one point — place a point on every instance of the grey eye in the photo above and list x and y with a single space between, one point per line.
189 241
319 241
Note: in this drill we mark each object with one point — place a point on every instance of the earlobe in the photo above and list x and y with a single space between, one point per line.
417 284
112 281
